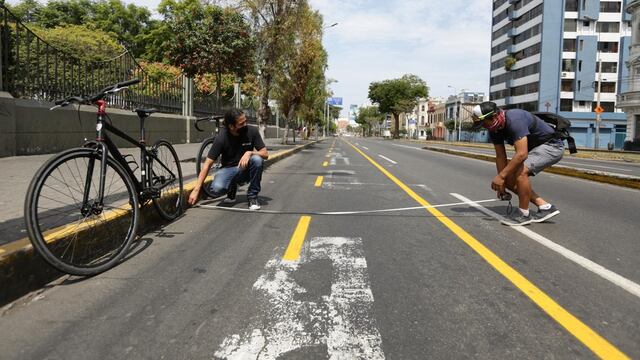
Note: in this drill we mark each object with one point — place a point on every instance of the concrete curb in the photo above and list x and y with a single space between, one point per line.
22 270
593 175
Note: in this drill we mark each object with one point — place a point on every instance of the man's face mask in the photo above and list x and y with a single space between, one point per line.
495 123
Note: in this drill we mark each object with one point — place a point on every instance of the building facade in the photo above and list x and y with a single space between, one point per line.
458 108
629 101
563 56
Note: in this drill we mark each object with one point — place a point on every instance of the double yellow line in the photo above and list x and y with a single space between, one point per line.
596 343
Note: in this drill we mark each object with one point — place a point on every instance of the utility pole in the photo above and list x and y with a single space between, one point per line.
598 109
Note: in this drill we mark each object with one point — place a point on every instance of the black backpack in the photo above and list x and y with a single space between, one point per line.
561 126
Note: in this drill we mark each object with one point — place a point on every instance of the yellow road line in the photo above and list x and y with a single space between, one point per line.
319 181
325 164
295 244
596 343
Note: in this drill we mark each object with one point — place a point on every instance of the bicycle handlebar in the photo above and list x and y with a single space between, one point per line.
112 89
206 118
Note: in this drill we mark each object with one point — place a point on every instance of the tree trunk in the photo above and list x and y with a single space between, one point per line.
265 111
396 119
218 85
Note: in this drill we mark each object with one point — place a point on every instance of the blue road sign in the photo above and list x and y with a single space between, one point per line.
334 101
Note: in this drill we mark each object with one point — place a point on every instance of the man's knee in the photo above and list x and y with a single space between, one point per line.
256 161
217 187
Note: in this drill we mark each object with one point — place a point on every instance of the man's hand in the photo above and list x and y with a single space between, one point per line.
193 198
498 184
244 161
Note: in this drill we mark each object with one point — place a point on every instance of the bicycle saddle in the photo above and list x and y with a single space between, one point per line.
143 113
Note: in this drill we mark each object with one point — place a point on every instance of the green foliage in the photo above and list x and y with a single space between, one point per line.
398 96
450 125
207 38
80 42
368 117
509 62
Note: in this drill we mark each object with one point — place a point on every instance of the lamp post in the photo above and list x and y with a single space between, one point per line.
455 92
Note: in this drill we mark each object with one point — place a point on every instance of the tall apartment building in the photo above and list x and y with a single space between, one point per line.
629 101
554 55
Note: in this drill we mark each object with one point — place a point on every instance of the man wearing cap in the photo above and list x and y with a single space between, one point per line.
536 149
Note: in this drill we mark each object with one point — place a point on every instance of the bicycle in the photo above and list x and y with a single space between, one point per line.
206 146
79 189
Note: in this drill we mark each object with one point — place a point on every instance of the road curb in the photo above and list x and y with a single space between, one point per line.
593 175
22 270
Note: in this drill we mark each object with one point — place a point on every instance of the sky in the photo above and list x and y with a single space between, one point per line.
446 43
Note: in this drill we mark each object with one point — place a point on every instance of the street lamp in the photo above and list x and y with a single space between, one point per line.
455 92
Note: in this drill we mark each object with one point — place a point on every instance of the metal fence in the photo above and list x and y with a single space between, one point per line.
31 68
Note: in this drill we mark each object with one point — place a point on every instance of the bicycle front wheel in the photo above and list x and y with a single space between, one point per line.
202 157
67 223
166 178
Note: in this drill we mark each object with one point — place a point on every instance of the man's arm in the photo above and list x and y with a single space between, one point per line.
506 169
244 161
193 198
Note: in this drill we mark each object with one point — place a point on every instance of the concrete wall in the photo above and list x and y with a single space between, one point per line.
28 127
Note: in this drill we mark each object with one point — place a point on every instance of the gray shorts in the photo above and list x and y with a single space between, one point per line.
543 156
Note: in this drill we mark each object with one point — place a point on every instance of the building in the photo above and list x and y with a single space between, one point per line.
436 118
555 55
458 108
629 101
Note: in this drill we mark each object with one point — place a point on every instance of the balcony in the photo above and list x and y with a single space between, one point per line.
628 99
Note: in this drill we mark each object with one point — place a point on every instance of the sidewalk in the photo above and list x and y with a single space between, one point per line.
16 174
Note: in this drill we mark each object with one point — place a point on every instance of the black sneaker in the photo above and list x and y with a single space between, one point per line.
254 204
231 194
517 219
544 215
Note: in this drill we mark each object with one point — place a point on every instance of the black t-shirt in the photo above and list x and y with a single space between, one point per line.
233 147
520 123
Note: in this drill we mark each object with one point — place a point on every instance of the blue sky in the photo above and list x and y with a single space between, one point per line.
446 43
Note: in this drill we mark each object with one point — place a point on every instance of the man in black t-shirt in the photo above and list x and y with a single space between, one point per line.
536 147
243 153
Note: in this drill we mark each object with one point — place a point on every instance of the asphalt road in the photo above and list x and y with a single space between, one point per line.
610 166
443 283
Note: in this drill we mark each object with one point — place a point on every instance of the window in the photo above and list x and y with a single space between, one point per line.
585 23
581 103
568 65
569 45
571 5
608 47
581 45
608 27
610 6
608 106
566 105
580 87
608 67
567 85
570 25
607 87
423 110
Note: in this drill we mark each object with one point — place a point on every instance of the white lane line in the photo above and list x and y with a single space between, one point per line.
294 318
408 147
364 147
598 166
386 158
595 268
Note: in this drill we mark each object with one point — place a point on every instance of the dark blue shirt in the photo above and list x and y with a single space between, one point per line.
520 123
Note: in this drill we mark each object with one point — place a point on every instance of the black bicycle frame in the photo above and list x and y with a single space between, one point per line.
108 147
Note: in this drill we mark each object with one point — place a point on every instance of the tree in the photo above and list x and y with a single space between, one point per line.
368 118
302 77
398 96
272 22
208 38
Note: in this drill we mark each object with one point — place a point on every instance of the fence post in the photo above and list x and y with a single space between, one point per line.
187 103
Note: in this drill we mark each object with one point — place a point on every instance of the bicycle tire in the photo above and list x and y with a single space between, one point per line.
170 203
200 159
94 248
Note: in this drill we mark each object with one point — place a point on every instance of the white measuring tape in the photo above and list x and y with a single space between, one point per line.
355 212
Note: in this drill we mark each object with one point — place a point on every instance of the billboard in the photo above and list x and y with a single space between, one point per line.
334 101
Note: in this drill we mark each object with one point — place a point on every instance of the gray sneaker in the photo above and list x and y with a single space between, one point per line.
517 219
544 215
254 204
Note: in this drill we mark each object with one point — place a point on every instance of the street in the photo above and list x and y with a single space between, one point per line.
446 281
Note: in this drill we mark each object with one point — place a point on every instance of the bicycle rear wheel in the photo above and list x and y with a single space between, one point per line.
166 177
201 158
75 236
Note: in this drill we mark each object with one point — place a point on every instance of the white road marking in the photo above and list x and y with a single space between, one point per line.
386 158
366 148
595 268
408 147
342 321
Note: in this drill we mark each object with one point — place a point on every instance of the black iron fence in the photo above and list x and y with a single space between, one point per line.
31 68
